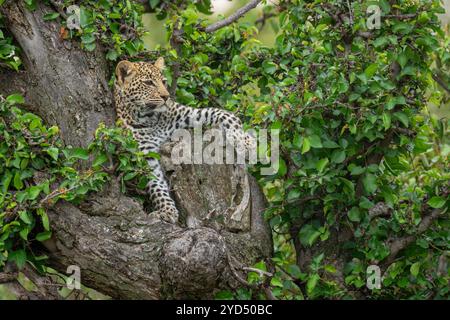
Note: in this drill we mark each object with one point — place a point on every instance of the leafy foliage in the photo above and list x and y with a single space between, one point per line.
351 104
8 52
37 171
115 24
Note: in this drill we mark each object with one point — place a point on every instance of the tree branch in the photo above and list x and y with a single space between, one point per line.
262 21
233 17
398 244
441 82
6 277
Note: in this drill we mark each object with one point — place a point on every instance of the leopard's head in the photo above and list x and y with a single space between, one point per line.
141 84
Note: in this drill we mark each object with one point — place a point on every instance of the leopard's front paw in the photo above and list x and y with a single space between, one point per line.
168 214
249 142
246 145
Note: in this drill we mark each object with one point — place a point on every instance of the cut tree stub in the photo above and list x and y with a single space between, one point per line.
216 195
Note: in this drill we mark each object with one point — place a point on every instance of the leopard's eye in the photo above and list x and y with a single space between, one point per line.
149 82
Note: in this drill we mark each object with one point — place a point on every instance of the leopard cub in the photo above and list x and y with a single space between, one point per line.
143 104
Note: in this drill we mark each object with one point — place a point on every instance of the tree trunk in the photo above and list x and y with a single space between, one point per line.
121 250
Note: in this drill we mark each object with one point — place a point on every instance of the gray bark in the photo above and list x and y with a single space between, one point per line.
63 84
122 250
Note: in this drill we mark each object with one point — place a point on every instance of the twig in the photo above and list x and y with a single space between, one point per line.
262 286
406 132
233 17
301 201
401 16
441 82
262 21
58 6
5 65
350 12
6 277
260 272
54 194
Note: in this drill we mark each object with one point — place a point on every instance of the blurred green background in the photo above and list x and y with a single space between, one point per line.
158 35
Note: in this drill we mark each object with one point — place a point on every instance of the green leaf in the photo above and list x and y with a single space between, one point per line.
385 6
269 67
315 141
402 117
276 282
306 145
294 271
415 268
100 159
297 142
25 217
321 164
370 183
386 120
402 59
224 295
329 268
42 236
79 153
24 233
112 55
312 283
282 168
19 257
51 16
308 235
88 38
349 187
33 192
436 202
53 152
129 176
90 46
44 219
330 144
18 184
355 170
153 3
294 194
393 101
354 214
338 156
371 70
15 99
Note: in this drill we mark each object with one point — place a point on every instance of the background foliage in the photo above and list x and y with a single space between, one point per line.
363 161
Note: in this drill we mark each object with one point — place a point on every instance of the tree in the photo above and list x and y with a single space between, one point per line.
119 248
362 184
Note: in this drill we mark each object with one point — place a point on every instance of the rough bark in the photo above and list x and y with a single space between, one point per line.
121 250
63 84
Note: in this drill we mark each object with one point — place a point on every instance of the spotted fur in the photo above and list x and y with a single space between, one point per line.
144 105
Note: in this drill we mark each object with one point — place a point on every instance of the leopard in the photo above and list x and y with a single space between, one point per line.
144 105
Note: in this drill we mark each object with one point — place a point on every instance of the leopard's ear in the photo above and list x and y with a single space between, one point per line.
125 71
160 63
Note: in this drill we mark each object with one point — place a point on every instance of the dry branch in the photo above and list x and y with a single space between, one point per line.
233 17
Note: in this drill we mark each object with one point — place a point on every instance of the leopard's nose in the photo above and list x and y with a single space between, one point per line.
164 94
